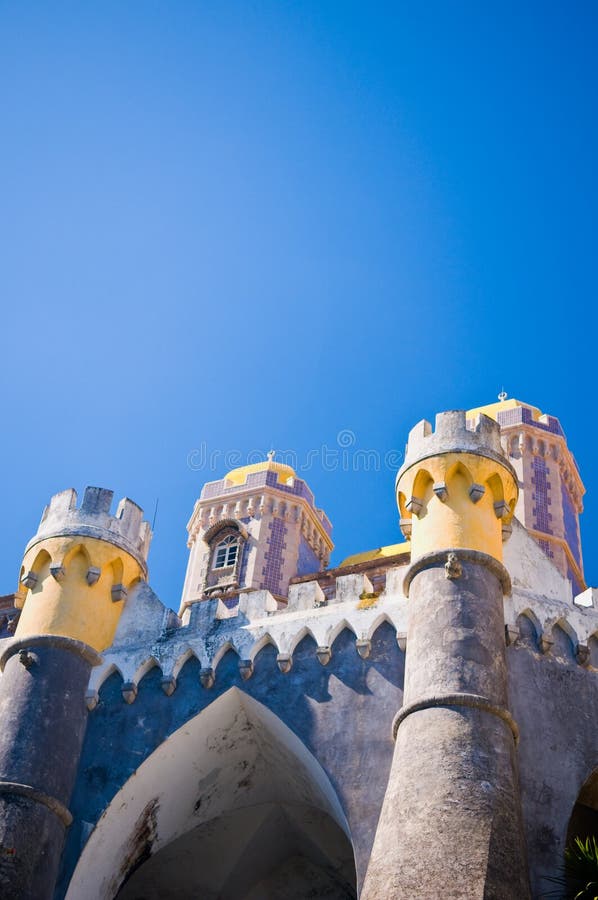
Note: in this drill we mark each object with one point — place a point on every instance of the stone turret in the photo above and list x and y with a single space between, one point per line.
451 820
551 489
268 519
79 566
456 488
76 574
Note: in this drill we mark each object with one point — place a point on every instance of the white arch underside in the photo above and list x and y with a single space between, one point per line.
234 763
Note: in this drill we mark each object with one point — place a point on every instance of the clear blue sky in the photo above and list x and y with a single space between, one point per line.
261 223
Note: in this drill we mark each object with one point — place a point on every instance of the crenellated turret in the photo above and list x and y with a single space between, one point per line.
452 803
78 568
456 488
76 574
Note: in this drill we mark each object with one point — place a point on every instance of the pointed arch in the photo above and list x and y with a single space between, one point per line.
221 653
74 552
116 570
145 667
529 625
41 569
338 629
41 563
422 485
224 525
378 621
458 472
265 641
187 789
565 639
181 660
99 678
297 638
496 487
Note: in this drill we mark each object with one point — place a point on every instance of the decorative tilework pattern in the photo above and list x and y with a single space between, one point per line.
522 415
545 545
264 479
274 556
244 561
540 495
571 528
307 562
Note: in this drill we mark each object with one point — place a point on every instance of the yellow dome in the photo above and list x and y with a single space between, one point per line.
283 472
493 409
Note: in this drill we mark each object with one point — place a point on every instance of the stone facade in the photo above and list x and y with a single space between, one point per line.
281 533
419 724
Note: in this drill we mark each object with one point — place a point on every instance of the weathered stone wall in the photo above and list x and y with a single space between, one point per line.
342 712
554 700
159 675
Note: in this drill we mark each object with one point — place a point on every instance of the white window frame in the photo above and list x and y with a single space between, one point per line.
228 550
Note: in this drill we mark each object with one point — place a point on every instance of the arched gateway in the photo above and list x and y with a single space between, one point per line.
232 805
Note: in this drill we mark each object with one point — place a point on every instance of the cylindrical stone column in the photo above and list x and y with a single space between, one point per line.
74 581
43 717
451 823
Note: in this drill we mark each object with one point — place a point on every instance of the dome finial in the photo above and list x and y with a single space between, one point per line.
503 395
271 454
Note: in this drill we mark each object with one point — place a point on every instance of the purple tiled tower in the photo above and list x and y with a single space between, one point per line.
255 529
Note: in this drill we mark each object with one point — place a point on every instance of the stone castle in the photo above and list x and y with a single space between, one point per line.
419 722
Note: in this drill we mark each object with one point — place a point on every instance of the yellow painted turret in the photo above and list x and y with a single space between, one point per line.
80 566
456 488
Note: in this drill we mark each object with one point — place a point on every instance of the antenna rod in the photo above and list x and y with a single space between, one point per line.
155 512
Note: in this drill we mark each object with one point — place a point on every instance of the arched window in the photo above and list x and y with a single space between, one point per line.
225 553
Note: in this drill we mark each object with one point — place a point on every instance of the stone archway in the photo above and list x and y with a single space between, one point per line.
232 806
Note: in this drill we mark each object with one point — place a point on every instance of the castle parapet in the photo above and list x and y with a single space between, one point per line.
126 529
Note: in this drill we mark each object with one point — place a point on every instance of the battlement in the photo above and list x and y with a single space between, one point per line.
455 433
126 529
555 627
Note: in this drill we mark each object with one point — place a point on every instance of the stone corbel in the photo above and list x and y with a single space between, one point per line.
476 492
363 647
502 509
324 655
284 662
29 579
58 572
168 685
93 575
129 691
545 642
246 668
206 676
92 698
414 505
440 490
